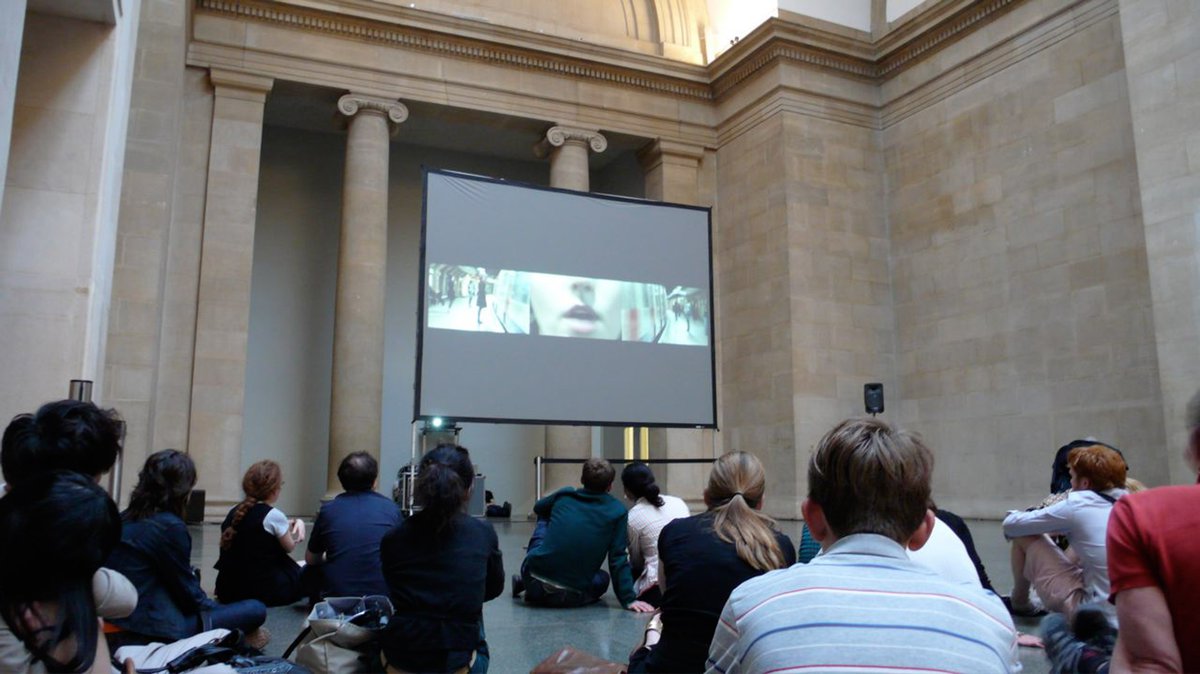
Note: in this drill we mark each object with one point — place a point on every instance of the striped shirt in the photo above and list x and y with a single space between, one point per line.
862 606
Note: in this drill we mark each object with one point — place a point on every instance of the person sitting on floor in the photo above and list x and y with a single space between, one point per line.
155 553
862 603
56 529
1064 580
493 510
703 558
651 512
256 543
576 529
74 436
440 565
343 550
1154 565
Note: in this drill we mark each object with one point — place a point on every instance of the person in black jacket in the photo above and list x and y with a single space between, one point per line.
256 543
440 566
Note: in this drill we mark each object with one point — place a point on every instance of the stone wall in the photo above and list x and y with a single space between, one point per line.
1162 55
1023 309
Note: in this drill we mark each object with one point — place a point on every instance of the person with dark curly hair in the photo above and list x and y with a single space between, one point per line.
155 553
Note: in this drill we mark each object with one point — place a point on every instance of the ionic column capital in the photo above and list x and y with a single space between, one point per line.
558 136
394 111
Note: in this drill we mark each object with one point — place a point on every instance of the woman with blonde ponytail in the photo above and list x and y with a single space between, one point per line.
256 543
703 558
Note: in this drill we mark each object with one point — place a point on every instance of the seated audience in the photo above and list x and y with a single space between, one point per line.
256 543
154 553
56 528
343 550
1154 564
862 603
575 531
493 510
1064 580
440 566
703 558
651 512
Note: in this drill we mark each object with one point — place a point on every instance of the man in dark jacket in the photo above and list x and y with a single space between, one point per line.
575 531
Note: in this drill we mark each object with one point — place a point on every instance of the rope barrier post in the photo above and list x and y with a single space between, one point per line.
537 471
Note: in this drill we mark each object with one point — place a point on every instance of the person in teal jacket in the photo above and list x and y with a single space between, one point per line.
576 529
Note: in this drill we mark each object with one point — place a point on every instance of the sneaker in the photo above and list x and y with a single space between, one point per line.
518 585
1030 611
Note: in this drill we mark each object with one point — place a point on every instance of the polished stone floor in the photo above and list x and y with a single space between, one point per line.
520 636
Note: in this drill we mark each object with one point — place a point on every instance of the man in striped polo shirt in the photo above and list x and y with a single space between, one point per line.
862 604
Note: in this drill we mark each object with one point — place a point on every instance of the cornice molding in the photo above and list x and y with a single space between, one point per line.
379 31
774 42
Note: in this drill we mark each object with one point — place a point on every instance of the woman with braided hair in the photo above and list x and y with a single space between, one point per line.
703 558
256 543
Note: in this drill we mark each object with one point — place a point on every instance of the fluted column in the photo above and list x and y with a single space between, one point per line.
567 149
223 298
356 403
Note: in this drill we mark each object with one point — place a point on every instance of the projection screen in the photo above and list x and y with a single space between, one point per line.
549 306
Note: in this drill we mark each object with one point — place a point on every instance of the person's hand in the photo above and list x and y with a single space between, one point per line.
129 667
1029 640
297 530
640 607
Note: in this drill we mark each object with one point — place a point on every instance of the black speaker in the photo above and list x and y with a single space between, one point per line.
873 397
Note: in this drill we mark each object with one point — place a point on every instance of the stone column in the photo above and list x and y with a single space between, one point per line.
672 172
567 149
355 408
223 297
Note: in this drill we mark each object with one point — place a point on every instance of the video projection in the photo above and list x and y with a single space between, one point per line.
547 306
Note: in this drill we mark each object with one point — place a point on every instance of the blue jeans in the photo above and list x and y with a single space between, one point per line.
537 592
246 615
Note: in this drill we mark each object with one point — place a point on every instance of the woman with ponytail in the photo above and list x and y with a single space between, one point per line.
440 566
155 555
256 541
651 512
703 558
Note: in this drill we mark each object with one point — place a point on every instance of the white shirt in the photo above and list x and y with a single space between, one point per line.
1083 518
645 523
276 523
945 555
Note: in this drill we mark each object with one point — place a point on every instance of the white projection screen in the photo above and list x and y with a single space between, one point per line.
548 306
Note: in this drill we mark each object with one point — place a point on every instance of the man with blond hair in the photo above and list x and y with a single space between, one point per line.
1154 564
1065 580
863 604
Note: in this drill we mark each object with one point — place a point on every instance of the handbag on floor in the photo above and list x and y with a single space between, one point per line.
343 635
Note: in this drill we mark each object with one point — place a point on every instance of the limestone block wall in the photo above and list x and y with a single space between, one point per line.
1023 309
839 280
1162 57
756 320
58 223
